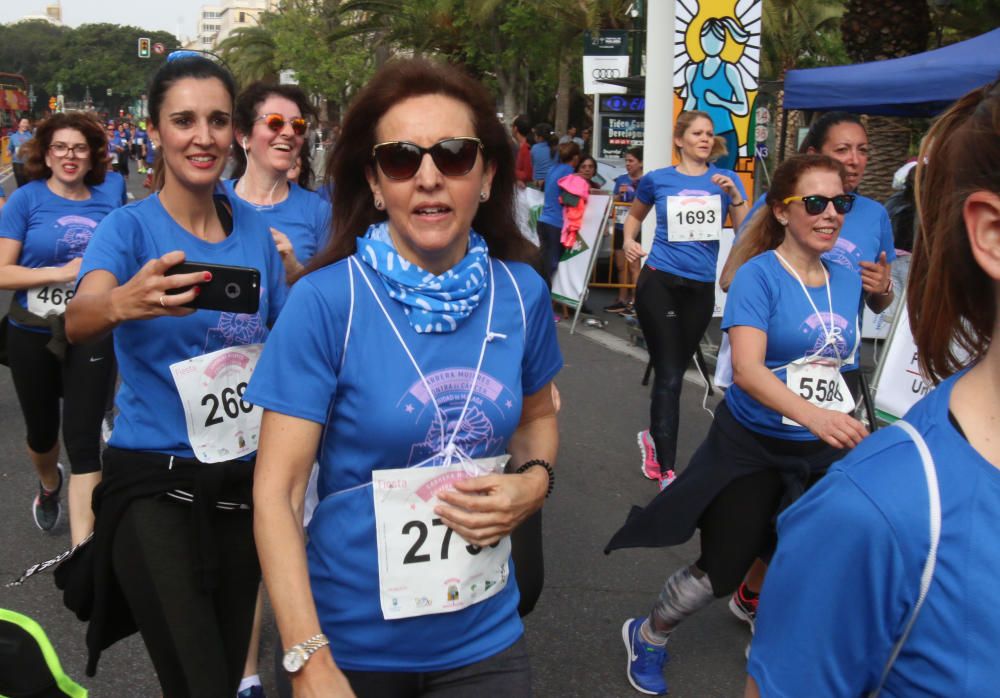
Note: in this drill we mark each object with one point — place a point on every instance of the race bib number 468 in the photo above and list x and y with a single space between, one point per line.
45 301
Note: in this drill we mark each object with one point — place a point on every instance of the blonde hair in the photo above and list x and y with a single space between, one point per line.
684 121
763 232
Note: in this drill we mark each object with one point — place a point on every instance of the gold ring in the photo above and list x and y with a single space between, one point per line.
161 301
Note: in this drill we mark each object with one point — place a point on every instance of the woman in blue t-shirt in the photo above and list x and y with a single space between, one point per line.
44 231
675 291
271 123
544 153
792 322
550 222
851 606
427 346
173 544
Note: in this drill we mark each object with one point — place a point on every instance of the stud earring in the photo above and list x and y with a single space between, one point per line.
484 196
379 204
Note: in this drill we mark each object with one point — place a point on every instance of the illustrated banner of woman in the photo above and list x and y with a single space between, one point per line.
717 59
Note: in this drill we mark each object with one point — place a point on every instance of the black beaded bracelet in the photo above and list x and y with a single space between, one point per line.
548 469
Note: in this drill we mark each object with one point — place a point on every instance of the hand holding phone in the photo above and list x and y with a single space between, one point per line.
230 290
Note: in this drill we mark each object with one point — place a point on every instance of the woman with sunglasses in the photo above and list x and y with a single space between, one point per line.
271 127
824 632
791 319
865 246
173 550
675 291
428 351
44 230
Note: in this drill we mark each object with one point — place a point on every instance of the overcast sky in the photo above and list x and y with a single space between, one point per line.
179 17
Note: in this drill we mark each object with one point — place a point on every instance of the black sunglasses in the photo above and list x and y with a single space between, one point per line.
816 204
276 122
454 157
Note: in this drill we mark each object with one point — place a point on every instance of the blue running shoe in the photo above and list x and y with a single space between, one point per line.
645 661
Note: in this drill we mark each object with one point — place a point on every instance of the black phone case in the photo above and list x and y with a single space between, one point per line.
231 290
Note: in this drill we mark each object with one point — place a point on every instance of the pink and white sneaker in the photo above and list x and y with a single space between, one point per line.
667 479
650 466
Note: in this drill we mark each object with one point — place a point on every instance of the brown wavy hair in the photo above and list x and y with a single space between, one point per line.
951 302
34 150
763 232
683 123
353 206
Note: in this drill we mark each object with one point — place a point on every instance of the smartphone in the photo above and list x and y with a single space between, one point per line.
598 181
231 290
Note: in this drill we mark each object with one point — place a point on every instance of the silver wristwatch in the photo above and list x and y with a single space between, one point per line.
297 655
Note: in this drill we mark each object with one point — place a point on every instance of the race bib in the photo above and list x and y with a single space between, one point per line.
621 213
425 567
694 218
45 301
221 425
821 383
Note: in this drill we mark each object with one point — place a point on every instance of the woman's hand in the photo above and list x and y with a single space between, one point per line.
485 509
727 185
876 276
145 295
287 253
70 270
633 250
836 428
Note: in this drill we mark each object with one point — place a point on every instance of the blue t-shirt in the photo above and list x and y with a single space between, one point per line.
114 187
52 230
303 216
766 296
847 572
14 143
542 160
338 363
692 260
552 211
151 416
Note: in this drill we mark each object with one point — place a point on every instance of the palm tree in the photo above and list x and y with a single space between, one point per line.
250 53
800 34
874 31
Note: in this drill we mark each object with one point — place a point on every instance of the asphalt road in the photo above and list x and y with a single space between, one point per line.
574 633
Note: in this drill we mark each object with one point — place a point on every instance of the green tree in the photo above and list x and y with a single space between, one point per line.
251 52
32 48
800 34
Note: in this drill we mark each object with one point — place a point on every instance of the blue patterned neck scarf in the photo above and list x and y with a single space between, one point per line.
431 303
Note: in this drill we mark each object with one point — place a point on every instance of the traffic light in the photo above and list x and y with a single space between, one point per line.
144 47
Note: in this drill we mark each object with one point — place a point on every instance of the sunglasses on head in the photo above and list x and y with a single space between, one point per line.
276 122
816 204
454 157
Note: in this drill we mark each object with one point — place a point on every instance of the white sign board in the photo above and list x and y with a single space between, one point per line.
529 207
898 383
601 68
569 283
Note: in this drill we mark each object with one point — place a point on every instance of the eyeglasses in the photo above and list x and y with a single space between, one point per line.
61 150
816 204
276 122
454 157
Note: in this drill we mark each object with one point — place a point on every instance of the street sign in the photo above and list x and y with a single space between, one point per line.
762 151
143 48
159 48
605 55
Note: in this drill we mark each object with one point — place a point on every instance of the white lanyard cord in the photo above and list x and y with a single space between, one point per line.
832 333
449 448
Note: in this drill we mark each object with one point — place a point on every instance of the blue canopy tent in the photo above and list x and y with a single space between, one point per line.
919 85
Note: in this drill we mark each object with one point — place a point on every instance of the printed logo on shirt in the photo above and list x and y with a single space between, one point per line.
76 234
492 403
812 328
236 329
846 254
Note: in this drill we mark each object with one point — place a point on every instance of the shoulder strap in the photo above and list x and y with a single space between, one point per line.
934 499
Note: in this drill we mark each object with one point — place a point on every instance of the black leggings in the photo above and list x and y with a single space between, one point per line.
673 313
197 640
738 526
550 238
83 380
